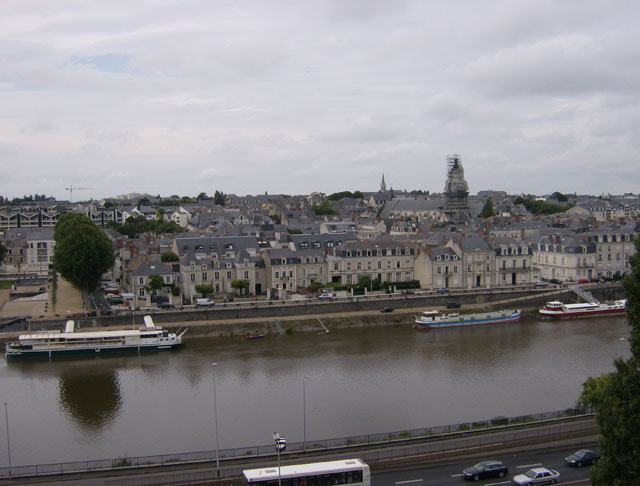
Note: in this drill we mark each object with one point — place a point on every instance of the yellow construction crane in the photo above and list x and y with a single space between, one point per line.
71 188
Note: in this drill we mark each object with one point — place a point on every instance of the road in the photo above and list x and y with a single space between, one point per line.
443 474
450 474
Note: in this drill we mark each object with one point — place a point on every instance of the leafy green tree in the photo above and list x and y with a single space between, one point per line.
3 252
358 195
558 196
324 208
487 210
203 197
240 285
169 256
275 218
219 198
82 252
294 231
616 397
364 281
143 201
204 290
155 282
313 287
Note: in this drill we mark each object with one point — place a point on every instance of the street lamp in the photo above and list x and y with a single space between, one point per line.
304 414
215 419
6 416
281 444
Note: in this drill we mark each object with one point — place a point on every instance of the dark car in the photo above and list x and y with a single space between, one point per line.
582 458
386 309
165 305
452 305
485 469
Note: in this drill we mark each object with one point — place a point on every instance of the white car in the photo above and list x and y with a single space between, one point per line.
538 475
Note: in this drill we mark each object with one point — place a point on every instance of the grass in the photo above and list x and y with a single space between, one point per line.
6 284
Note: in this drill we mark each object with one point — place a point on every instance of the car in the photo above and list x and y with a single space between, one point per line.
453 305
485 469
407 292
537 475
165 305
582 458
386 309
204 302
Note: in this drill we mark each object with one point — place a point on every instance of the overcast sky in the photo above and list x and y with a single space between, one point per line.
295 96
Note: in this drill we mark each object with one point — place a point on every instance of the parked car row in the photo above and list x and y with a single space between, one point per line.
534 476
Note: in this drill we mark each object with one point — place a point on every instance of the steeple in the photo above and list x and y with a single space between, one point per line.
383 185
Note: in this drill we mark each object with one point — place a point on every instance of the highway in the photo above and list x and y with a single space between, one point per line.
451 474
445 473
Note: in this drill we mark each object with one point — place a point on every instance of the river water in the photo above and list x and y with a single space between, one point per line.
358 381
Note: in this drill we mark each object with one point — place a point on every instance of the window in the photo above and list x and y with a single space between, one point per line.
204 275
246 275
335 266
193 277
217 275
277 274
141 280
228 274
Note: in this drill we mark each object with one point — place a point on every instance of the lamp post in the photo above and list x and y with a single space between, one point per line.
281 444
304 414
215 419
6 417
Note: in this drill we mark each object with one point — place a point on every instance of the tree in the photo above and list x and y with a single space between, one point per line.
364 281
169 256
204 290
82 251
219 198
616 396
324 208
3 252
558 196
240 285
487 210
155 282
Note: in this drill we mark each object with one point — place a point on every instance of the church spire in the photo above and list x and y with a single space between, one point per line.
383 185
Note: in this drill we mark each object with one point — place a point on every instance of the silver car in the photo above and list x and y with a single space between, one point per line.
538 475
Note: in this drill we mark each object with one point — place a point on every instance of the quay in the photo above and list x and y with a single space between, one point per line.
249 317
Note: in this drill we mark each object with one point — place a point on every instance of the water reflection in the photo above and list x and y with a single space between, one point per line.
93 400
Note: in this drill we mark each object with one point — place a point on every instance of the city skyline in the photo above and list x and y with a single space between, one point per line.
283 97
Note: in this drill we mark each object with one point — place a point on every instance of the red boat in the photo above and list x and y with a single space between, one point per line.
558 310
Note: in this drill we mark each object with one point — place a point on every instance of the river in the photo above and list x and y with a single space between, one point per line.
358 381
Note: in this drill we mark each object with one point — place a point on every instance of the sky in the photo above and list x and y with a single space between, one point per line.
287 96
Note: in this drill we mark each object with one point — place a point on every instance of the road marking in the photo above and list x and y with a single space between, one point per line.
495 484
410 481
529 465
456 475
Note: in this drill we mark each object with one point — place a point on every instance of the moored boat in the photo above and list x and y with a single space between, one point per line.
560 310
52 343
435 318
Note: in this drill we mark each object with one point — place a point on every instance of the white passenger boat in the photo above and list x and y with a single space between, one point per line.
435 318
53 343
559 310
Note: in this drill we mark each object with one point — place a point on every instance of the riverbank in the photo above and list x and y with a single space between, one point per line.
231 321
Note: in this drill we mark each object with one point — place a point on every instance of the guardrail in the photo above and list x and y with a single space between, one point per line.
468 429
372 457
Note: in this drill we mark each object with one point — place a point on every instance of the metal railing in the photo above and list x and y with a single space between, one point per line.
461 429
421 451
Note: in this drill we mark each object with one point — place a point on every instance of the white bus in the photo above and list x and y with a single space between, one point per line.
353 472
